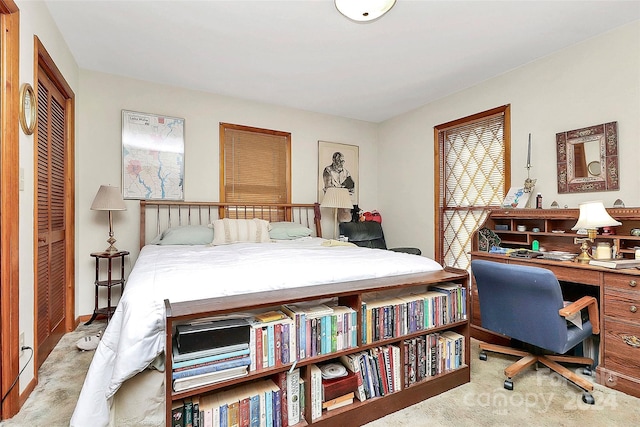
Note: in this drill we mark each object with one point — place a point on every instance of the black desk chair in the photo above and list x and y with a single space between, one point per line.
368 234
525 303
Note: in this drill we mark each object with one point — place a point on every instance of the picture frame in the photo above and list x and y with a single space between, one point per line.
587 159
335 173
152 156
28 109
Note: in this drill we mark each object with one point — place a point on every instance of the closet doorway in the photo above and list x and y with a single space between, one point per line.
54 216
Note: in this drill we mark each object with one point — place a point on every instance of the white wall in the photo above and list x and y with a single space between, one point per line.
595 82
34 20
99 158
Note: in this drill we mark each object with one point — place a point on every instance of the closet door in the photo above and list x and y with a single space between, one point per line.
51 247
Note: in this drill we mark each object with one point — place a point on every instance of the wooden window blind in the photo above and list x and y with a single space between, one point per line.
474 169
255 165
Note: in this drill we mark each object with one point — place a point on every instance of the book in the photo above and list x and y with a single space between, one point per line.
221 365
352 363
316 392
203 361
270 316
335 403
615 263
281 381
186 383
196 412
293 396
177 414
181 357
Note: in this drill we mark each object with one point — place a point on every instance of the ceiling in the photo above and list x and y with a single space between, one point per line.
304 54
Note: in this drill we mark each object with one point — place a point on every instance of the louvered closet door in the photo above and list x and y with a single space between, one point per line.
50 286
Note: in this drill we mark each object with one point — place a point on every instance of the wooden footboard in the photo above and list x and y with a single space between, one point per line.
159 215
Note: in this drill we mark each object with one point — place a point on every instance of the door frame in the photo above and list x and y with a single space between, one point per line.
9 205
42 60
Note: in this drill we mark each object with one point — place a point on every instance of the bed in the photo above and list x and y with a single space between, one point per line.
177 264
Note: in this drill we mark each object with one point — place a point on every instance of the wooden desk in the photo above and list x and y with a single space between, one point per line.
619 294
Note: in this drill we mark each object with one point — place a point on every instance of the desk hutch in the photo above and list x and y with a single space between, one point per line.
617 290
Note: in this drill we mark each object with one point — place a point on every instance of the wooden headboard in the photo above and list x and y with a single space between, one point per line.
158 215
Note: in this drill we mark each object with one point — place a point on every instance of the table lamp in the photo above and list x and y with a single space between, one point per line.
109 199
336 198
593 215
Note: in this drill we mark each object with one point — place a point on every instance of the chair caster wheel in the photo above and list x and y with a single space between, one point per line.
588 398
508 384
587 371
482 356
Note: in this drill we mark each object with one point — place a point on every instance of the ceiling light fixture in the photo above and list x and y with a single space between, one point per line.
364 10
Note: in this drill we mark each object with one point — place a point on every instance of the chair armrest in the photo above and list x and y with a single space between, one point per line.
413 251
585 302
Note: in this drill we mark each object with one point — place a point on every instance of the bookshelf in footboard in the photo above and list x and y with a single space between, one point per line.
355 296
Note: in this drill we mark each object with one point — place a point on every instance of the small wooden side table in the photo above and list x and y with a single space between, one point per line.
111 281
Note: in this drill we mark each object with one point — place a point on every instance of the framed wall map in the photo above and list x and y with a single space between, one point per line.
152 156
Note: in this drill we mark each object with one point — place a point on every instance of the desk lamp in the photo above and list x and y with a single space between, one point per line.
109 199
593 215
336 198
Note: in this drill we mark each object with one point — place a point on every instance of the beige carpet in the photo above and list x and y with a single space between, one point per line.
538 398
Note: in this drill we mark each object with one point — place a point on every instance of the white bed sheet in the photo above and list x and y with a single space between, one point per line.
135 334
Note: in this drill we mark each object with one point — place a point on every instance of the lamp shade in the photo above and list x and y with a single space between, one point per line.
364 10
593 215
108 198
336 197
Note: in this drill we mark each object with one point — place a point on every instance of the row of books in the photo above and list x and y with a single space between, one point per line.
196 369
214 350
322 329
274 402
279 401
393 317
432 354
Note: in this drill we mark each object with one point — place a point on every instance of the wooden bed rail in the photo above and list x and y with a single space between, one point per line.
158 215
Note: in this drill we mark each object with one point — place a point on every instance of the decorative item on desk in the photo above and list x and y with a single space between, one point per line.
535 245
635 232
593 215
487 240
535 229
521 227
336 198
517 197
603 250
529 183
618 203
539 201
555 205
608 231
109 199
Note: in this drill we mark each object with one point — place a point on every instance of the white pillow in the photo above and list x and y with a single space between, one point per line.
226 231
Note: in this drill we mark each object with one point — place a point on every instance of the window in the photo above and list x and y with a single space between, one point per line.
473 174
255 165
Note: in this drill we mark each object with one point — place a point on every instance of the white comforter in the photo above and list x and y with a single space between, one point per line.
135 334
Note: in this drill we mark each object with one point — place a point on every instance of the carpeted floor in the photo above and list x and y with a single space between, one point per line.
538 398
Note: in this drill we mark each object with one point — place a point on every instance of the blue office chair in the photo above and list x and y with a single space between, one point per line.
525 303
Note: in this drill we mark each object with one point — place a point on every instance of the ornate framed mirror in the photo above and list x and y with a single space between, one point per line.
28 106
588 159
